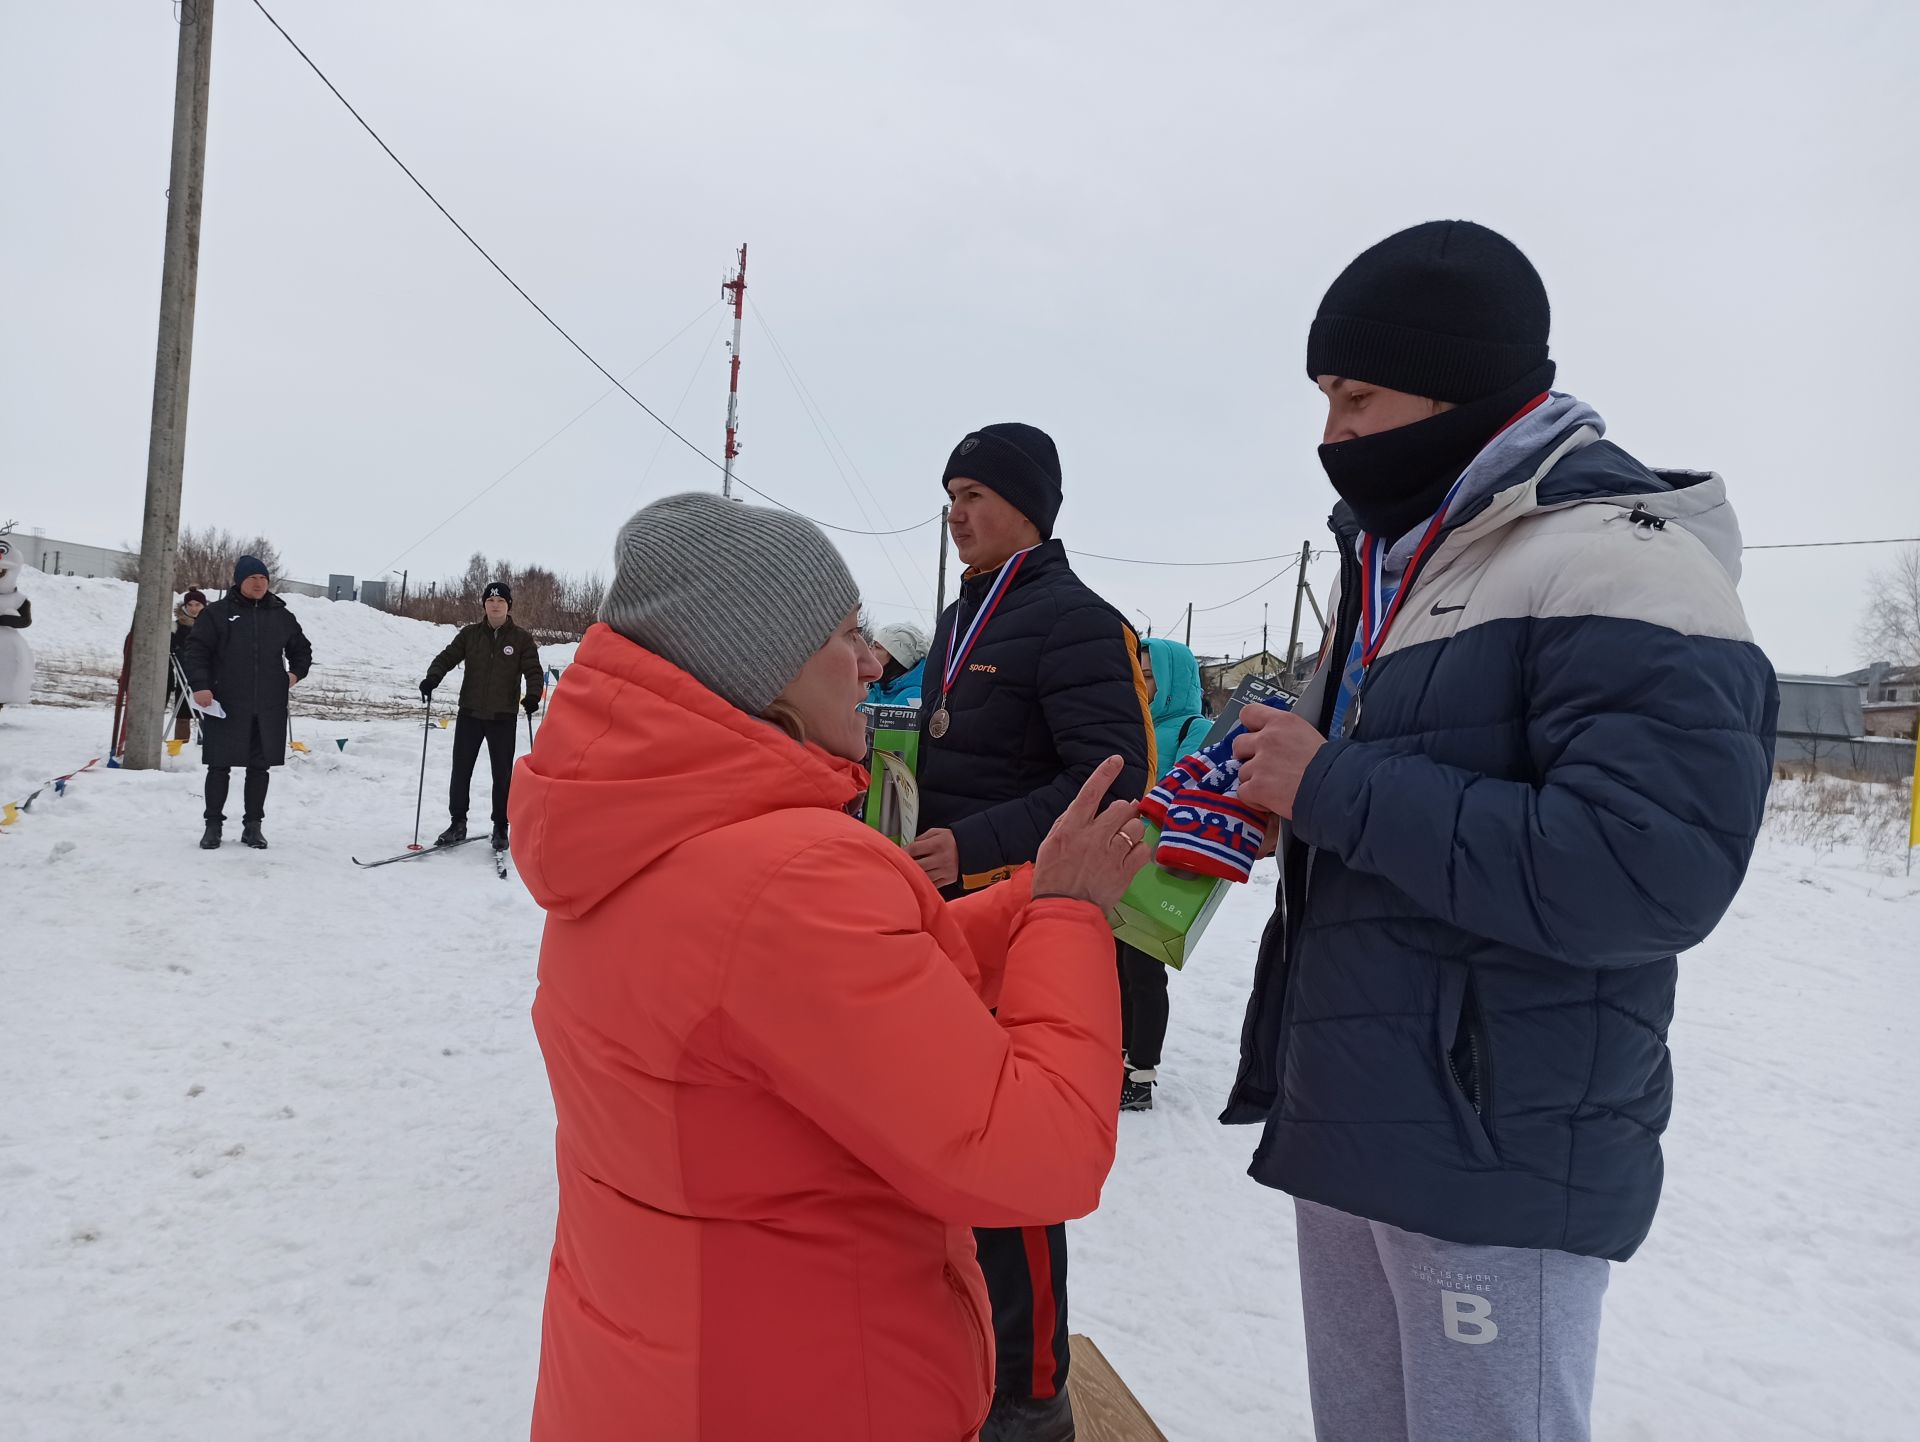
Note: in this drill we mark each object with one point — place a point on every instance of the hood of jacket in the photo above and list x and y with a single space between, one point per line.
1177 698
1555 456
636 758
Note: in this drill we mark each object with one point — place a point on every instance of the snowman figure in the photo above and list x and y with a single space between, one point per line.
16 614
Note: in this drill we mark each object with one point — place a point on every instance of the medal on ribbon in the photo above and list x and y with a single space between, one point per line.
942 721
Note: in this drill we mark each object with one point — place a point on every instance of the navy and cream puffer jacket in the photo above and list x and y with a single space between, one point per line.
1549 785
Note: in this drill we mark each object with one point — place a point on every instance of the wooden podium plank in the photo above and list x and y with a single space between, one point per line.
1104 1410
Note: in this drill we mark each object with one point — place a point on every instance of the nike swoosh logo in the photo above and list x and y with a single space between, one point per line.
1442 610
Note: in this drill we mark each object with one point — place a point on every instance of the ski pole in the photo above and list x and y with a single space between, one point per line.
426 726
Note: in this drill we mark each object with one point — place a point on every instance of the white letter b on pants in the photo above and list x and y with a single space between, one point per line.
1467 1318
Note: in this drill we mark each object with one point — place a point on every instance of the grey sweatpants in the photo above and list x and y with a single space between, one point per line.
1410 1339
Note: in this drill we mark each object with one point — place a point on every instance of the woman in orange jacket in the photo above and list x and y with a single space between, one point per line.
784 1097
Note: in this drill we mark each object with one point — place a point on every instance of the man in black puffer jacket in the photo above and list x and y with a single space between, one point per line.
498 656
1032 682
235 657
1529 772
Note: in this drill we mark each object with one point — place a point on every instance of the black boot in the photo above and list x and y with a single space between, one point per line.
454 834
1029 1419
499 836
255 792
210 838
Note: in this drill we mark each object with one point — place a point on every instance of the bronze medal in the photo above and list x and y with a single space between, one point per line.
938 726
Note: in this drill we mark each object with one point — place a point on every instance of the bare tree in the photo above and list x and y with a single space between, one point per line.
206 558
546 602
1890 629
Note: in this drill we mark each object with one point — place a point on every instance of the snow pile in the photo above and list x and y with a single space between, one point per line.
366 661
277 1160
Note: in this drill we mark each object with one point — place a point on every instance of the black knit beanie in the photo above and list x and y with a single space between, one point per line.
497 588
1016 462
1449 310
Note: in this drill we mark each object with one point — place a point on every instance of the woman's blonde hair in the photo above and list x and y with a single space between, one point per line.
783 715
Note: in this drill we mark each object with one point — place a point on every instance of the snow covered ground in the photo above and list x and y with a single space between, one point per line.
275 1158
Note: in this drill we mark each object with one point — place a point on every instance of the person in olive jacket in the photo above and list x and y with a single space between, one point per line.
246 653
497 655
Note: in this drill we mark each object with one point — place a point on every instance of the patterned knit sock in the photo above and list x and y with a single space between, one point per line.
1205 829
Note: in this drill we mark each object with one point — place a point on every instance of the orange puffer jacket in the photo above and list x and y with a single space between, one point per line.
782 1098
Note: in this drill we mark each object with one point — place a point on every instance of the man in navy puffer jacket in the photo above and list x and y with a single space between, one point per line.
1529 773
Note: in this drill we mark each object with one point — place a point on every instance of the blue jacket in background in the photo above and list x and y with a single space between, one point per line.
903 690
1549 785
1179 724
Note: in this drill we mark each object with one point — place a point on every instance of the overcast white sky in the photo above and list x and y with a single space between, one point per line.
1113 221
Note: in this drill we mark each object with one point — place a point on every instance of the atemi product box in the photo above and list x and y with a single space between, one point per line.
893 756
1165 913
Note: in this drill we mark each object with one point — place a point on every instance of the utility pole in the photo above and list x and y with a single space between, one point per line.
940 601
1265 655
403 587
1189 625
735 290
172 365
1299 590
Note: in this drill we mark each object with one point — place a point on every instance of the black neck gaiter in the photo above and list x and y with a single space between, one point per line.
1394 480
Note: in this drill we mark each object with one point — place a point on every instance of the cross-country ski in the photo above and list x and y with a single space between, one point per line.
412 855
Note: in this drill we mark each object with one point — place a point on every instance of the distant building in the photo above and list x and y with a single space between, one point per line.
1219 678
70 558
76 558
1823 727
1889 698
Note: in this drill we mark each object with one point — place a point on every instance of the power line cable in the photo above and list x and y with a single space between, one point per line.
1202 610
692 380
548 441
1146 561
541 310
818 414
1817 545
808 406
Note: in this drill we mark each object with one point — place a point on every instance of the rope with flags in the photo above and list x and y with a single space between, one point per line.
12 811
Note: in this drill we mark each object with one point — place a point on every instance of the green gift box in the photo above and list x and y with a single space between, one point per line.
893 756
1165 912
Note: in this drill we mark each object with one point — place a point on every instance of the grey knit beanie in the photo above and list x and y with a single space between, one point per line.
736 596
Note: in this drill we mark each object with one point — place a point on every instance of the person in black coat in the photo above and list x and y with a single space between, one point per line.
498 656
246 653
1045 687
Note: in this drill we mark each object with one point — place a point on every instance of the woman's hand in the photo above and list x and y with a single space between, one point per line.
1093 855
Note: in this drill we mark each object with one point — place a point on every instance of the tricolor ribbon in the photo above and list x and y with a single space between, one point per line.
995 594
1374 621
